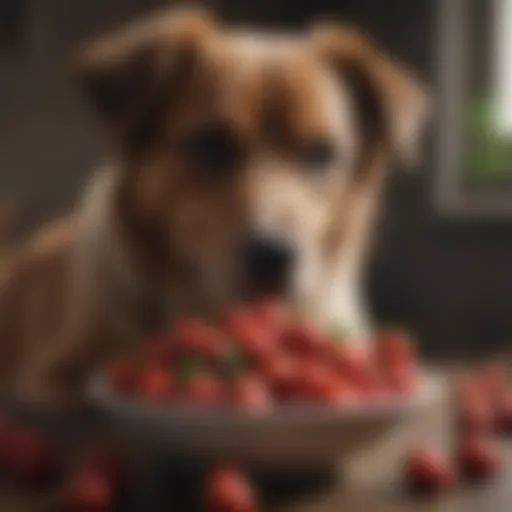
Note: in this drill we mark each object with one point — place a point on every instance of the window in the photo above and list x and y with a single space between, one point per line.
474 174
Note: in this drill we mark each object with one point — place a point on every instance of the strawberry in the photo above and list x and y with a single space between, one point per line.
354 365
195 338
157 385
305 339
393 348
493 380
256 340
475 416
270 314
249 392
427 472
318 382
227 490
31 459
478 457
7 435
88 491
281 374
474 411
503 415
204 390
123 375
94 485
401 380
160 351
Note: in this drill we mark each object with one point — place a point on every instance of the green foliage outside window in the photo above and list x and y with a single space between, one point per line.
488 153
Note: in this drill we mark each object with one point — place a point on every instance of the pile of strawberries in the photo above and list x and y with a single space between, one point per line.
483 405
257 357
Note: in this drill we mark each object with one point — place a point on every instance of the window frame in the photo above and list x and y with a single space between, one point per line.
451 197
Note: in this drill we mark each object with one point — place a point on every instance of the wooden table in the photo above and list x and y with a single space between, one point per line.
370 483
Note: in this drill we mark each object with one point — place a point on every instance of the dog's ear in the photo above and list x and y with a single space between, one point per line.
393 104
131 76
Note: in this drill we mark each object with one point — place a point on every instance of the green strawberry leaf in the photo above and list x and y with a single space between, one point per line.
189 368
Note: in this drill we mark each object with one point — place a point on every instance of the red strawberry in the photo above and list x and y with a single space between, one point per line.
89 491
31 458
427 472
493 380
305 339
250 393
474 411
256 340
195 338
157 385
227 490
281 374
478 457
475 416
270 313
105 460
318 382
393 347
123 375
503 416
160 351
401 380
205 390
7 435
355 366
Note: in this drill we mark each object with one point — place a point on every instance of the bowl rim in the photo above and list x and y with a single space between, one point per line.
102 395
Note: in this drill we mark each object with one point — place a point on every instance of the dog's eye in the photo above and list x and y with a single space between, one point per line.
213 149
318 156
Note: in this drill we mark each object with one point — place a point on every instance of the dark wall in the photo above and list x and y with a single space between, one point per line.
449 281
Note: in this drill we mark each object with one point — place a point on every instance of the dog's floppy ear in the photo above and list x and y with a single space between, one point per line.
392 102
131 76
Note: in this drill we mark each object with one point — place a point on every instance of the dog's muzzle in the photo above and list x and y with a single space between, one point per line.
267 262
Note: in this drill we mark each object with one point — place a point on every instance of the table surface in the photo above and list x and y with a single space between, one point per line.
369 483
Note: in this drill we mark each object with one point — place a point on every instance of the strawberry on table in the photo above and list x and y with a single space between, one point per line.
493 381
474 411
428 472
228 490
31 459
90 490
478 457
503 414
7 434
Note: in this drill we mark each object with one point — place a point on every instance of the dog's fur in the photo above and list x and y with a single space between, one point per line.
152 235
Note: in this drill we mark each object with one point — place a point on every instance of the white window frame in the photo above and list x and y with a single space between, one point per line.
450 198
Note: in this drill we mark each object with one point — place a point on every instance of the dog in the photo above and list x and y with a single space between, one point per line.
240 163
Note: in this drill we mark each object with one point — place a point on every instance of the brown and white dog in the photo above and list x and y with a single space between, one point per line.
239 163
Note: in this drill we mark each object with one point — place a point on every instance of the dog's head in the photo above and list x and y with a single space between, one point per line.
242 153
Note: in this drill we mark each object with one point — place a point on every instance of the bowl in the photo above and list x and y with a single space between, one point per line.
287 436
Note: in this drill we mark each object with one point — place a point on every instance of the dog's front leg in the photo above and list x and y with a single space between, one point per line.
56 371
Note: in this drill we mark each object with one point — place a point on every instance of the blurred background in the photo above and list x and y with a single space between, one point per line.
442 262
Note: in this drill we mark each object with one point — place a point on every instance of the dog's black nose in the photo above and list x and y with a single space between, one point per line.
268 262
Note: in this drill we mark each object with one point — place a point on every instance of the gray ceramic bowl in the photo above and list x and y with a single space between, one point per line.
284 437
